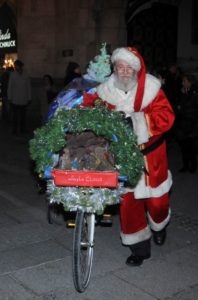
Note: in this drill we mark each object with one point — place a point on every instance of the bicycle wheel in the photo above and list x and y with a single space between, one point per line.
83 243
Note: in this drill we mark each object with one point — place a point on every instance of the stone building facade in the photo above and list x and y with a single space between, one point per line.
50 33
53 32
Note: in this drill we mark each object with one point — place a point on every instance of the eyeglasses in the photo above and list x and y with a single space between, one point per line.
126 69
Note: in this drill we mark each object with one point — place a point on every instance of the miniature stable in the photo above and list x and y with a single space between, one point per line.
111 146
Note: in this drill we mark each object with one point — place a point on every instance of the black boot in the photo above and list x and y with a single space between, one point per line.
140 252
159 237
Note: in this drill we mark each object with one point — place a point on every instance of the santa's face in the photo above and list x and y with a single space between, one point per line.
125 75
123 70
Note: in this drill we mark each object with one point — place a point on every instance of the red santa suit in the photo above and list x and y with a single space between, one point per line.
152 116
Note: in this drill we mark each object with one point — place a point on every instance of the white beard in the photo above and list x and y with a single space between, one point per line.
126 84
124 101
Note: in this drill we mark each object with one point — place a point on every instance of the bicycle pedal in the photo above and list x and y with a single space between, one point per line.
106 220
70 224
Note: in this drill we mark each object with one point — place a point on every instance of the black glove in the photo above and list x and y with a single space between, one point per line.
129 122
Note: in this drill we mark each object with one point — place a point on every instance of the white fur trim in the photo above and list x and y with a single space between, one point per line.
140 127
134 238
125 101
152 86
159 226
128 56
142 190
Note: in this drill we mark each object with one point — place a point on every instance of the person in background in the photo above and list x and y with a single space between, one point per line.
4 92
161 74
19 95
49 87
48 95
173 84
186 125
144 210
73 71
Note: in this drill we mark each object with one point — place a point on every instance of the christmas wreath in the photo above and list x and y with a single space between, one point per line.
50 139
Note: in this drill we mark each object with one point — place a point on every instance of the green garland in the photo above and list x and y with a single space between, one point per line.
50 138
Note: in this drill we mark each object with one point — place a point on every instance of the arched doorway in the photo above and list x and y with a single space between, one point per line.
154 32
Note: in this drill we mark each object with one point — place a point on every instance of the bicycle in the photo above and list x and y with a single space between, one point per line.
117 149
84 232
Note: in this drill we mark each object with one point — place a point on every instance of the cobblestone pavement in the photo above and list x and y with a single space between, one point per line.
36 256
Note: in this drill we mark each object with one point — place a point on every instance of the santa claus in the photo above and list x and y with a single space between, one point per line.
144 210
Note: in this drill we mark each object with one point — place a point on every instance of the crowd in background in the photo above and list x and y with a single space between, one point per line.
181 89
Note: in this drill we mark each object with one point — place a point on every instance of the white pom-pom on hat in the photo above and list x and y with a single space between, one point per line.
128 56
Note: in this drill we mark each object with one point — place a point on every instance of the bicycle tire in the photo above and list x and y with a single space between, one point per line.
83 243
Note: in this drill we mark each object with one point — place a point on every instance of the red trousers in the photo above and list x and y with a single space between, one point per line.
134 214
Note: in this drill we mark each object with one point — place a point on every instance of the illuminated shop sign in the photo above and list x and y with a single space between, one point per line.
8 29
6 40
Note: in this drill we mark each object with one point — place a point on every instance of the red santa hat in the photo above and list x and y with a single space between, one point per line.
135 60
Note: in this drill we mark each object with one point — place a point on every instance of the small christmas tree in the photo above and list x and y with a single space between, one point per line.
100 68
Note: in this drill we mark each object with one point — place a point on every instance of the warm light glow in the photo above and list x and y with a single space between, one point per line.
8 62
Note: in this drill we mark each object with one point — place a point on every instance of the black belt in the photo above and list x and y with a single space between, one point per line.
153 146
